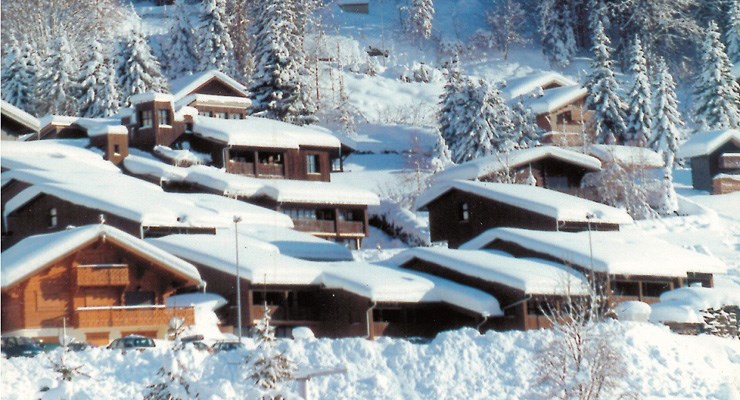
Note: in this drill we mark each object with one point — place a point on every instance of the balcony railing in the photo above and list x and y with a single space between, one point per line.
241 167
98 317
281 313
102 275
273 170
351 227
314 225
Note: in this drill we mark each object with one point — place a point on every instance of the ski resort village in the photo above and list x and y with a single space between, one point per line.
370 199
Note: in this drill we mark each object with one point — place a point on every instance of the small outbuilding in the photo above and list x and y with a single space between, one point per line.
715 160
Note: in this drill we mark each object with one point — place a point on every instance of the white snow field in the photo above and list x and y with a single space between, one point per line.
460 364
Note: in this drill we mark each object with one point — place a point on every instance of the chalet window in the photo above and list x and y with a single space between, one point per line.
205 113
270 158
139 298
325 215
272 298
221 115
626 288
464 212
565 118
554 182
117 149
336 165
537 307
235 116
189 127
53 218
655 289
164 117
146 119
312 164
350 215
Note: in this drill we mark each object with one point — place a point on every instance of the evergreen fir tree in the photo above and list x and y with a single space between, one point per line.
557 30
441 156
238 26
277 83
732 33
97 88
57 88
667 122
452 104
603 93
506 22
215 47
138 69
421 15
19 75
668 204
525 126
181 47
716 93
639 111
268 368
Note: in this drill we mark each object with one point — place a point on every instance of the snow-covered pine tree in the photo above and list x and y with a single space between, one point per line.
215 48
441 156
557 30
668 203
603 93
667 122
97 87
19 76
506 22
57 88
597 12
452 104
639 110
277 83
137 69
174 377
525 126
181 47
421 15
716 93
238 27
732 34
267 367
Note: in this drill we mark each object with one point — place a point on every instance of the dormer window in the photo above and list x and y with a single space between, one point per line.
163 117
146 119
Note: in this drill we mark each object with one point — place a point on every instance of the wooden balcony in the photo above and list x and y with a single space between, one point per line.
102 275
98 317
314 225
271 170
351 227
241 168
284 314
729 161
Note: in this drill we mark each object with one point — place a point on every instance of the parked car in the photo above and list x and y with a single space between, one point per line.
132 342
77 346
227 346
19 346
197 342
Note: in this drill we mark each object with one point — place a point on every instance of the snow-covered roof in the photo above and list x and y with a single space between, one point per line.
280 190
485 166
374 282
185 85
686 304
20 116
151 96
211 301
215 100
262 132
531 276
59 120
556 98
36 252
703 143
101 126
516 87
53 155
249 213
147 166
298 244
616 253
551 203
627 156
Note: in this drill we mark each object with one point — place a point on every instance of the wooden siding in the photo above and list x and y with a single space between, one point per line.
725 184
705 168
93 296
550 173
215 86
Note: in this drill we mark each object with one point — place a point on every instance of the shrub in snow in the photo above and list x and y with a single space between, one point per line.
398 222
621 188
716 93
420 72
450 47
603 93
267 367
174 378
302 333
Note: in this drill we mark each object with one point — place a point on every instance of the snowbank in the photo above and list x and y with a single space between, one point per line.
685 304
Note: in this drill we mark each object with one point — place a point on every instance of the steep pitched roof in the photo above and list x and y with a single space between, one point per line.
34 253
185 85
703 143
551 203
516 87
20 116
485 166
623 252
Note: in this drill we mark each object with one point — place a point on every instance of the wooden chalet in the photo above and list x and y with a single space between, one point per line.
526 289
461 210
715 160
337 299
558 104
16 123
632 266
98 280
549 167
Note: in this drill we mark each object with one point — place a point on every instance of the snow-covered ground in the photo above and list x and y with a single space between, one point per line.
460 364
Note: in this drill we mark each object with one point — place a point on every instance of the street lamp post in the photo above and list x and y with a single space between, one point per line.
238 219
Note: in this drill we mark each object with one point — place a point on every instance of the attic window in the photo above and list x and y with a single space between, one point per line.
464 214
53 220
146 119
163 117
